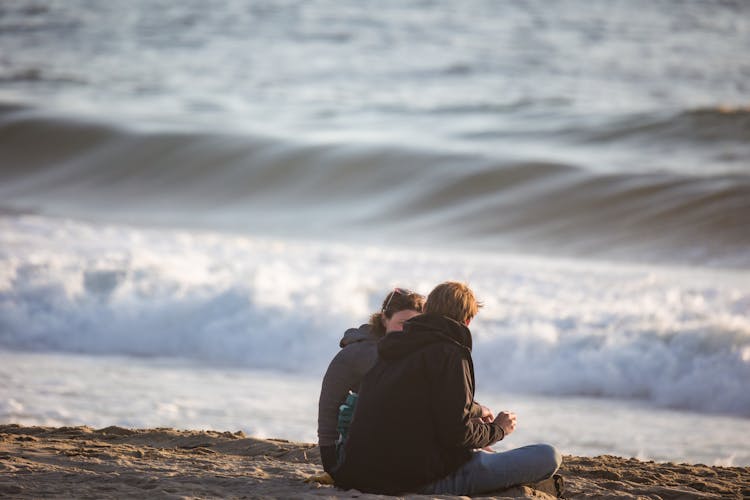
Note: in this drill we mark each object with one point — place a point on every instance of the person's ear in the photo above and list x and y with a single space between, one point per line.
467 322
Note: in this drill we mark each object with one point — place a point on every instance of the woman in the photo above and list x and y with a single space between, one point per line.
359 352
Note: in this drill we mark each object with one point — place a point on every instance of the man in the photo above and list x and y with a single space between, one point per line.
415 427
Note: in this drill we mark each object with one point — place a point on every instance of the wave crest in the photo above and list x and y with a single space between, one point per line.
703 125
266 185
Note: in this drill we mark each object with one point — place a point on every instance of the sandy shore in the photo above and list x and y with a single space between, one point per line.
80 462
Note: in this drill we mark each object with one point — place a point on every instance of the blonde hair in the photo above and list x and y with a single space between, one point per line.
453 299
397 300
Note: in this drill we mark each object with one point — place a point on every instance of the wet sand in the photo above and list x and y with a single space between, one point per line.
114 462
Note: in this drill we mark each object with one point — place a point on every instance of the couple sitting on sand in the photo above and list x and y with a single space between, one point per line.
416 427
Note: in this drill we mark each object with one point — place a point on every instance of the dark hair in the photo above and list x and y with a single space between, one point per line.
453 299
397 300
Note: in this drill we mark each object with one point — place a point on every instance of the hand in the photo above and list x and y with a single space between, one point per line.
507 421
487 415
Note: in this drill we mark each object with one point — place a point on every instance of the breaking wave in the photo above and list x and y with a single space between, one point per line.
548 327
266 185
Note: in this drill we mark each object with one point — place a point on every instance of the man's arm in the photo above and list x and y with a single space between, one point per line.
454 409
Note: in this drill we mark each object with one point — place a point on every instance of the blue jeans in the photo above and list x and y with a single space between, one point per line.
487 471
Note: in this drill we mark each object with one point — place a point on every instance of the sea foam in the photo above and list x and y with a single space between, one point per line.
671 337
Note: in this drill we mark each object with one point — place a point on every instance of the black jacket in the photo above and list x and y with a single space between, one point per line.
412 424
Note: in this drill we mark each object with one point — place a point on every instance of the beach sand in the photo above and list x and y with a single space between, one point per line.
114 462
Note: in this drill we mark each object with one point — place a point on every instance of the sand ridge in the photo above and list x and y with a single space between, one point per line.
116 462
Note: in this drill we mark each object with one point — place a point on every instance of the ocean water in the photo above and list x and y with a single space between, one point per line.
197 199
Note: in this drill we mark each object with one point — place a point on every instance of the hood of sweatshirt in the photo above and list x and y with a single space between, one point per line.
363 333
421 331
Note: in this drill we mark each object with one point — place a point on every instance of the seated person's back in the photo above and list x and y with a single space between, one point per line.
357 356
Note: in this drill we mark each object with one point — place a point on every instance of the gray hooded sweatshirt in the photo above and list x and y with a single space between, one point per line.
358 354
